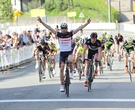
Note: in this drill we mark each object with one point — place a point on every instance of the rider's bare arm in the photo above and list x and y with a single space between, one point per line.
82 26
84 51
47 26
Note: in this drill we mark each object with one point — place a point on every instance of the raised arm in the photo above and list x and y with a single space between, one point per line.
47 26
82 26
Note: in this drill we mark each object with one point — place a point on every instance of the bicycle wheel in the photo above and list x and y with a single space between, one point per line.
90 79
40 71
101 70
110 64
80 67
129 71
67 90
50 69
67 82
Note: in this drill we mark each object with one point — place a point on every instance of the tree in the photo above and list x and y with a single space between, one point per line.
6 11
68 1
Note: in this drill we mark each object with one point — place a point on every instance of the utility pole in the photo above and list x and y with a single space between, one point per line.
131 5
109 10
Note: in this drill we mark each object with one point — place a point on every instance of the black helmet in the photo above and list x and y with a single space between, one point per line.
63 25
42 42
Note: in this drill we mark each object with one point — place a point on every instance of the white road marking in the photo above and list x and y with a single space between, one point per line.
67 100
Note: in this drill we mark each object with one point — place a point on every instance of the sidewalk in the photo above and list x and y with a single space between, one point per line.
123 6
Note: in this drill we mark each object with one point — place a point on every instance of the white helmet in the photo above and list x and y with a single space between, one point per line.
63 25
130 40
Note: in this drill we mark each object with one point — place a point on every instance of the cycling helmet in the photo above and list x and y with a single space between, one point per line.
93 35
100 38
108 36
42 42
63 25
81 41
130 40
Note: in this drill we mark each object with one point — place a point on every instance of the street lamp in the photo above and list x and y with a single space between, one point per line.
109 10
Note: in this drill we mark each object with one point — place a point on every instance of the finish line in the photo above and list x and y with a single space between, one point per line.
66 100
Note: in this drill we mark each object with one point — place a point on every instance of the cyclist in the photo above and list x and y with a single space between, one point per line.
100 38
94 48
65 41
129 45
43 47
119 41
53 50
108 46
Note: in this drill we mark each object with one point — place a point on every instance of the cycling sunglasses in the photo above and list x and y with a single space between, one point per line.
63 27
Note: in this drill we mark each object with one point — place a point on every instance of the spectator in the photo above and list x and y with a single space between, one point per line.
16 41
8 42
36 30
29 36
25 39
43 34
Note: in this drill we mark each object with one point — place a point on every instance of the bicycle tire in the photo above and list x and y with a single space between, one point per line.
50 71
129 71
40 71
90 79
67 90
67 82
79 68
110 64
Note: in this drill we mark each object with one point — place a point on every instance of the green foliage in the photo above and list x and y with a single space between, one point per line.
96 9
49 6
33 4
6 12
61 5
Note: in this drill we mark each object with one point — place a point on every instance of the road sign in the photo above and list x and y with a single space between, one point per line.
37 12
81 15
71 14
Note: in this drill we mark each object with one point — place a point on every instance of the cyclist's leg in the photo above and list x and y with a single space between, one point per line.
126 61
87 73
54 62
70 59
62 65
133 60
96 64
87 69
117 50
44 65
36 52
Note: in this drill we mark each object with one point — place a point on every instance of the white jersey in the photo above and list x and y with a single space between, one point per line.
65 41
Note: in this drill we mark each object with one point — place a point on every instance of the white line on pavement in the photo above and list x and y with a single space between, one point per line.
67 100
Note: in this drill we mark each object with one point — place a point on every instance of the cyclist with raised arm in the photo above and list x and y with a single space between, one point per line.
94 48
65 42
129 46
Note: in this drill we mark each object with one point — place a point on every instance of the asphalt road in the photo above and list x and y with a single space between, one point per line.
21 90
